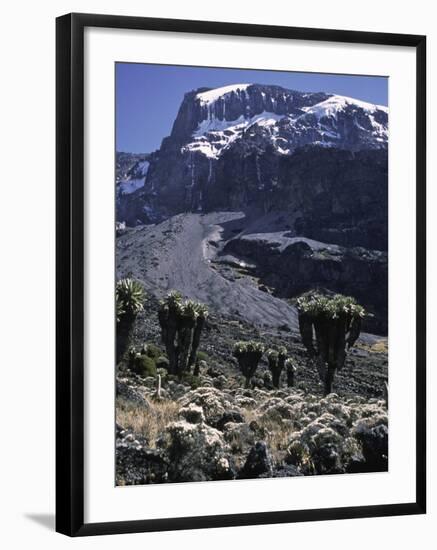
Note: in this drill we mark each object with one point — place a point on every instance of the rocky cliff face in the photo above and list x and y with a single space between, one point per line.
209 120
293 265
130 176
217 110
258 146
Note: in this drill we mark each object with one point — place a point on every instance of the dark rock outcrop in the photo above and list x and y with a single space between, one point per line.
293 265
136 464
373 436
258 463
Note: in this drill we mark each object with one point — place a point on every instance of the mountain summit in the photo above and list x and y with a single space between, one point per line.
320 157
211 120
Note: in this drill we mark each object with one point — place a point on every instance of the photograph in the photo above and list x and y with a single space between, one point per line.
219 263
251 274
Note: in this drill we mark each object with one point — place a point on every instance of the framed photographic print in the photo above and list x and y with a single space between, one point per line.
240 274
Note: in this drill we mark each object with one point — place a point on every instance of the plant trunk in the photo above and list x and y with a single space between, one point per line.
196 370
329 378
306 331
354 331
185 335
124 336
276 376
168 323
196 341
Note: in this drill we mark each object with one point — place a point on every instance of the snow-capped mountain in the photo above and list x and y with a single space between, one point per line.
286 118
318 156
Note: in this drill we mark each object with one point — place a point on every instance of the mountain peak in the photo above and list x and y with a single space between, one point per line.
211 120
335 103
234 102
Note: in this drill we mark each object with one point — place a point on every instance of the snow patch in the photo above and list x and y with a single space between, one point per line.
331 106
127 187
143 167
206 98
216 125
213 135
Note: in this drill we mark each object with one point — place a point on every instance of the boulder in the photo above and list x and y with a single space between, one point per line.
258 463
130 393
372 433
136 464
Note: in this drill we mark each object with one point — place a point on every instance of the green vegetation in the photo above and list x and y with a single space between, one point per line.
181 323
191 379
129 298
144 362
336 321
143 365
248 355
151 350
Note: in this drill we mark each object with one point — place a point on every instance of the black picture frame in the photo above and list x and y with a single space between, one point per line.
70 273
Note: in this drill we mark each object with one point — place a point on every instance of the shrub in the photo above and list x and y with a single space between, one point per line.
191 380
151 350
144 366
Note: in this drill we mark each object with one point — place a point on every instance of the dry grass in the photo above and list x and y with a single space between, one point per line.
148 422
381 346
276 431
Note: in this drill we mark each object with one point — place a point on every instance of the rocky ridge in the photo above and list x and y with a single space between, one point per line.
230 147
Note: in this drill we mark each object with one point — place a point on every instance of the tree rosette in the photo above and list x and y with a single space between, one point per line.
336 323
181 323
248 355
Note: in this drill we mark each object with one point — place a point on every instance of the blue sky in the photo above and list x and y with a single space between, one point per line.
148 96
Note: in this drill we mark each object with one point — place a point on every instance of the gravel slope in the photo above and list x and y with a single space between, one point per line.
178 254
